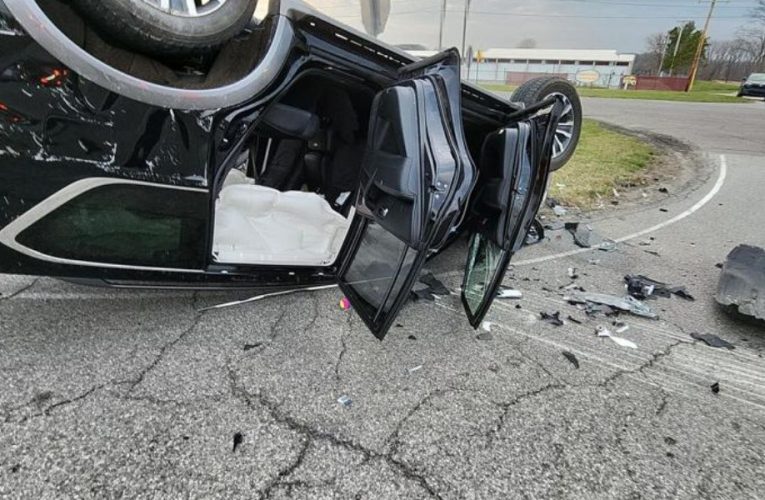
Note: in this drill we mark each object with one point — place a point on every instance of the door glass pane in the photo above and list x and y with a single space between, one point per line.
376 271
484 261
126 224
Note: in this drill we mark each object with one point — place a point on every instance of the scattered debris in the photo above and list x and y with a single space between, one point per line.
555 226
719 265
583 234
742 281
415 369
536 233
715 388
670 441
345 304
651 252
249 347
436 287
602 331
509 293
345 401
559 211
238 439
572 286
607 246
422 292
620 326
712 340
664 210
616 193
628 303
518 306
486 326
552 318
412 337
572 273
624 342
642 287
593 262
663 190
570 356
574 320
485 335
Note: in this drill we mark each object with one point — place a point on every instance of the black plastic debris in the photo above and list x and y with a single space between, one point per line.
628 304
663 210
412 337
583 234
436 287
422 292
715 388
642 287
552 318
712 340
670 440
742 281
574 320
536 234
238 440
570 356
249 347
663 190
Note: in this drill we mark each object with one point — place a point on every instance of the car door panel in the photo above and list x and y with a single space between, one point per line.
516 162
413 171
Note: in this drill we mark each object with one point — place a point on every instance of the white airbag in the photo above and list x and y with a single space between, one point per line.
259 225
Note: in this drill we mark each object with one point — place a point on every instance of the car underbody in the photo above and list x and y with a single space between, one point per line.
300 153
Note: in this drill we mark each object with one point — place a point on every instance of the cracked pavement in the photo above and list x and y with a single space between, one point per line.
111 393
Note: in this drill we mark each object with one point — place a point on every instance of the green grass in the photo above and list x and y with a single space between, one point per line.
702 92
605 160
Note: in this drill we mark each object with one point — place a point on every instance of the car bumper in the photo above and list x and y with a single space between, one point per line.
753 92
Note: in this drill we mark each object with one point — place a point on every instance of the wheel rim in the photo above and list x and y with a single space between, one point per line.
186 8
564 134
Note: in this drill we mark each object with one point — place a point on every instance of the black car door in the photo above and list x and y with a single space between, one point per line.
514 166
415 182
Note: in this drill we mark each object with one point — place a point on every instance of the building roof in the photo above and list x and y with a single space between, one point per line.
545 55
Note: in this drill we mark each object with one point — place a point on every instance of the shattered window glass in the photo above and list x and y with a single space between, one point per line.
484 259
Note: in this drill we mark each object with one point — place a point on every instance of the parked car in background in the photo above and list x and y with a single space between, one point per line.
753 86
284 152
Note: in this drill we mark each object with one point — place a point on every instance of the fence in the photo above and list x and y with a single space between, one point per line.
673 83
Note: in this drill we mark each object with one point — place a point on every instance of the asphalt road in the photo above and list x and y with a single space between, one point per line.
129 393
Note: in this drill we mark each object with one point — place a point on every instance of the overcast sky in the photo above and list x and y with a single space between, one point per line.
576 24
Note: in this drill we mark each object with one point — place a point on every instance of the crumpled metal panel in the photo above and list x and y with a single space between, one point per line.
742 281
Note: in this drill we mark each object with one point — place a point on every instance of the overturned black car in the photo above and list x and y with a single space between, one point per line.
291 152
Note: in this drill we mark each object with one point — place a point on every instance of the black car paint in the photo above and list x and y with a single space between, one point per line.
57 128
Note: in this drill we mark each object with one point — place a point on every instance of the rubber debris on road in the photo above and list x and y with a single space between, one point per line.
712 340
642 287
715 388
572 358
238 440
742 281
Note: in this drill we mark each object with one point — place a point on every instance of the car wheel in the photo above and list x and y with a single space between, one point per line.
570 126
168 27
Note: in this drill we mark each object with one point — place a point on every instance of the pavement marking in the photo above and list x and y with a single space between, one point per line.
695 208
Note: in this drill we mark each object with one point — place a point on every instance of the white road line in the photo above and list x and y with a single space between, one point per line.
695 208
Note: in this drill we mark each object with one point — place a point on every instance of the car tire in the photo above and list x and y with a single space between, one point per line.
146 28
538 89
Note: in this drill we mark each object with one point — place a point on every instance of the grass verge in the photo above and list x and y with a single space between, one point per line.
604 160
702 92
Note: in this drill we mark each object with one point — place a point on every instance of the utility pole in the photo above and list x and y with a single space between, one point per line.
700 48
441 29
464 27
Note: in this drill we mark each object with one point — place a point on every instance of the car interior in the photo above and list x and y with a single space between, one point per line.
289 199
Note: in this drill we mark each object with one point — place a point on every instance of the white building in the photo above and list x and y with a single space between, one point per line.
600 68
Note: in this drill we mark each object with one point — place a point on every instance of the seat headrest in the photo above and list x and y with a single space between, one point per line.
292 121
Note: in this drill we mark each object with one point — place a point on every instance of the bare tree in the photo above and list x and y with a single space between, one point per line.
752 36
648 62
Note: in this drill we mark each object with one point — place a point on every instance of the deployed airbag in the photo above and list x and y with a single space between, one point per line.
260 225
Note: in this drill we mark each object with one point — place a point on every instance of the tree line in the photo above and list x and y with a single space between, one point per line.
671 53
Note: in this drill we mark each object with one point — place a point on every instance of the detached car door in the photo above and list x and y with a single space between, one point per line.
514 166
416 178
